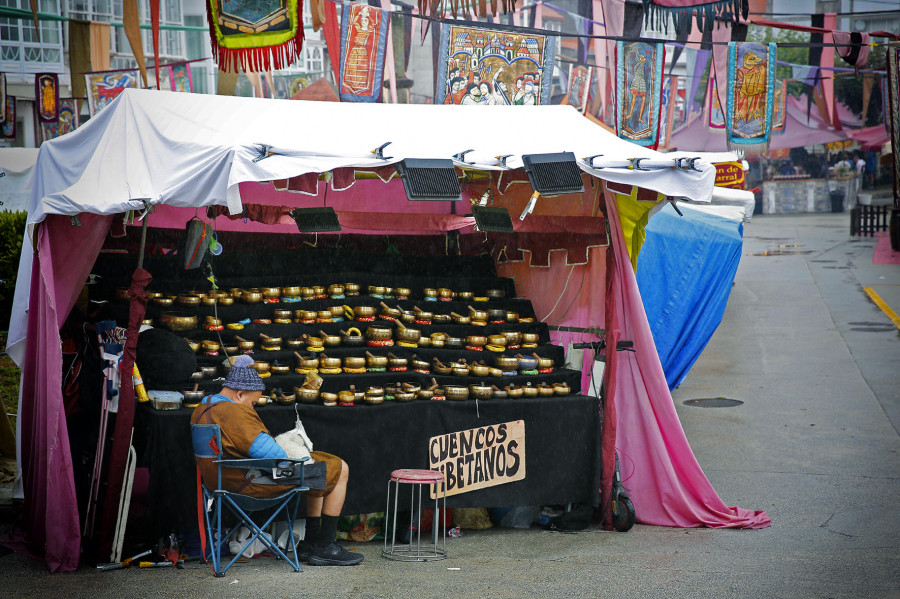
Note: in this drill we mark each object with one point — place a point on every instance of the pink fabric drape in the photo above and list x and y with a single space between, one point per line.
668 487
51 519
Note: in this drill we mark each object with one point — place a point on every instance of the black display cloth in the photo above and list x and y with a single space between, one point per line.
562 450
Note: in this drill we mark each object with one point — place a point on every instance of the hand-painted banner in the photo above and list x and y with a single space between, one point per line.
46 93
487 66
364 38
579 89
667 111
751 87
180 77
893 85
8 127
2 97
779 106
639 82
714 109
104 87
255 35
68 116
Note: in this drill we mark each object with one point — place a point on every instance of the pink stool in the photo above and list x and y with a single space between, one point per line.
413 551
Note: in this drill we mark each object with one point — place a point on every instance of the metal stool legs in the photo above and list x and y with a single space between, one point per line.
414 551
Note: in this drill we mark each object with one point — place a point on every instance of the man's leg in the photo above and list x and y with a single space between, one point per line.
325 551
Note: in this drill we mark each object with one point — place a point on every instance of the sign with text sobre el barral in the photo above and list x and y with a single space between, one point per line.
479 457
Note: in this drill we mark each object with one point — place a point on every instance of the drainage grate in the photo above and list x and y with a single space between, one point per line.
713 402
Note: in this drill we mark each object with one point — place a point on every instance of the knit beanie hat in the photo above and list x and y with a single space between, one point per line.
242 377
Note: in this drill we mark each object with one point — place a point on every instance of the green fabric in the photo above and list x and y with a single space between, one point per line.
263 39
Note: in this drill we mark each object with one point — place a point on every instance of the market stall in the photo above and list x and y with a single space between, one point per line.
180 152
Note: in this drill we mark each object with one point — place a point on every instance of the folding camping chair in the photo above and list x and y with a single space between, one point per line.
207 442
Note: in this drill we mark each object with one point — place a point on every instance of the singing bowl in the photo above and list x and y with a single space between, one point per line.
308 292
209 300
252 297
497 339
408 335
306 395
213 321
388 311
270 341
529 391
280 369
527 363
178 321
442 319
326 362
420 364
346 396
291 292
476 340
373 361
194 345
307 363
403 291
425 342
404 396
397 362
282 313
329 399
271 291
286 399
296 343
464 295
376 290
374 395
378 333
352 337
497 314
318 289
453 342
456 392
429 292
543 362
324 316
408 317
530 337
480 391
354 362
261 366
545 390
330 340
479 369
495 293
459 370
364 311
477 314
189 300
507 362
425 394
512 337
230 349
444 292
460 319
305 314
150 294
163 301
561 388
440 368
208 371
514 391
499 393
245 345
192 397
123 295
336 289
313 341
512 316
351 287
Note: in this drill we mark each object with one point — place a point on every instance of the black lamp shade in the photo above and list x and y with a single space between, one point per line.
316 220
492 219
427 179
553 174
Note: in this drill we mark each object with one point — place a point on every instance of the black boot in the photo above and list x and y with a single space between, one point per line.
313 527
326 551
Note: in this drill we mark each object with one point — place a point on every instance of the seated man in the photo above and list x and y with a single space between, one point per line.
245 436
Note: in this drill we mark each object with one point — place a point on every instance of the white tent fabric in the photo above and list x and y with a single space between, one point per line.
193 150
17 166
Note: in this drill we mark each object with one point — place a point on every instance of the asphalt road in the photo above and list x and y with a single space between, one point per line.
814 361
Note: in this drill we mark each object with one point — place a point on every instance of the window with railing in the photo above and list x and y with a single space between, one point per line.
21 51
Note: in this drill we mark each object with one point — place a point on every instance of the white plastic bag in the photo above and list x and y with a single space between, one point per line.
296 443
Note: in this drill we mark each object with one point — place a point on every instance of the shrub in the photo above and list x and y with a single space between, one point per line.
12 229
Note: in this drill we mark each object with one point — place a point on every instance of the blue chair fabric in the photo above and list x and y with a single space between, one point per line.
207 443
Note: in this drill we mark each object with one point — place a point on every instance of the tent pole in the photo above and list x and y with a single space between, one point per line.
140 263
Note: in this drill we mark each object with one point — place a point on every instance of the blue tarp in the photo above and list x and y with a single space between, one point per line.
685 271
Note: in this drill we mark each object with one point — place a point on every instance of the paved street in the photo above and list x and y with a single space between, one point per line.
815 443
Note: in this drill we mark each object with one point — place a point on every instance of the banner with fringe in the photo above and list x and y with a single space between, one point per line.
779 106
579 89
255 35
893 89
487 66
481 8
364 37
639 82
751 87
46 94
8 128
667 111
683 13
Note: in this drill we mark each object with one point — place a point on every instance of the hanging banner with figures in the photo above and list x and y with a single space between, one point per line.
779 106
713 107
608 110
46 93
68 116
103 88
579 90
639 80
667 110
490 66
255 35
893 89
2 97
751 87
364 37
180 78
8 127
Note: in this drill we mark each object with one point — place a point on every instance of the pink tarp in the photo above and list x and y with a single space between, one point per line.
871 138
668 487
52 530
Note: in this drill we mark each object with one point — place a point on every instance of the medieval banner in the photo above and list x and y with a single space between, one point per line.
714 108
68 116
46 93
639 80
751 88
104 87
8 128
255 35
490 66
667 111
579 90
779 106
364 37
479 457
180 78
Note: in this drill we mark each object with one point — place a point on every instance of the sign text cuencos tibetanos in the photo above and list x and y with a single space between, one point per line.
479 457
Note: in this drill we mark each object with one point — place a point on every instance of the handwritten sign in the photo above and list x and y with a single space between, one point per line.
479 457
730 174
